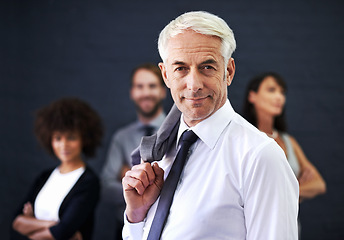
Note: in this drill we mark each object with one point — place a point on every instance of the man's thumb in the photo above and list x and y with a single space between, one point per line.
159 175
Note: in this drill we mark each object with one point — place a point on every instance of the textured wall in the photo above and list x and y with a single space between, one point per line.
51 49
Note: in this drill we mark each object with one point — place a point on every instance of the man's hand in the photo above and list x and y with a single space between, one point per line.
141 188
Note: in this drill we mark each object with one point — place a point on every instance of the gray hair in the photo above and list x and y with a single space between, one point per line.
203 23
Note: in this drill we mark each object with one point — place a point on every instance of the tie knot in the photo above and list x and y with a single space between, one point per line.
148 130
189 136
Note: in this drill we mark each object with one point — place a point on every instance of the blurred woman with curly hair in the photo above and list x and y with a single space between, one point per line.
62 201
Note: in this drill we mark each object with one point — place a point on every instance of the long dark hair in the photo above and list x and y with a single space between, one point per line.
249 112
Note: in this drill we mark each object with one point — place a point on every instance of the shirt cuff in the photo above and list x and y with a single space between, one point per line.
132 230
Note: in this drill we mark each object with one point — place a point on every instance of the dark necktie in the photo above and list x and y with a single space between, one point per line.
148 130
167 192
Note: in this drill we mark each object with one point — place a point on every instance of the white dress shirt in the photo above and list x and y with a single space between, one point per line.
54 191
236 184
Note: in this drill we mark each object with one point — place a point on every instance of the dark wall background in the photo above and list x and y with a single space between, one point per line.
51 49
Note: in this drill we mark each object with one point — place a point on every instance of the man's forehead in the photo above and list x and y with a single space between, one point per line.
195 57
146 80
144 76
189 45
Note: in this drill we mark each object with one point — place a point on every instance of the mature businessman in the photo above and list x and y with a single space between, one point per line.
234 182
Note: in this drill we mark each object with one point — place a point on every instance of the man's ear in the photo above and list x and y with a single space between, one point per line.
164 73
230 71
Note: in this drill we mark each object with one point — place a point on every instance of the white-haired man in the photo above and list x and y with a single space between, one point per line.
236 182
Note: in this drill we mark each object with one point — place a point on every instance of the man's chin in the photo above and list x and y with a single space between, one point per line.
148 114
151 112
146 109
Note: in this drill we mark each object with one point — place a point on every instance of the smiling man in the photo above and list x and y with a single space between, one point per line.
147 92
234 182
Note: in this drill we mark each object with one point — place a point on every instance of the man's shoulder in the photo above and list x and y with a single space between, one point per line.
243 132
240 124
249 145
125 130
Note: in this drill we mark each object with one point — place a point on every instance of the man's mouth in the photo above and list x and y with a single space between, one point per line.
195 99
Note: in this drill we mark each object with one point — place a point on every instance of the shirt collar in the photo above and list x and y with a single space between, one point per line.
158 120
156 123
210 129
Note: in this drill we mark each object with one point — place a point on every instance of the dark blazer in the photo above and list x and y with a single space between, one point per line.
76 212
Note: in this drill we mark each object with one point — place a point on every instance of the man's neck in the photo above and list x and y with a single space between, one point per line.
146 120
192 123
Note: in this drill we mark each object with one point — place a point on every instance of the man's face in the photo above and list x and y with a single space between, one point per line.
196 74
147 92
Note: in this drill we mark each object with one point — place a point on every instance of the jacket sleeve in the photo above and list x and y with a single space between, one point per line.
30 197
111 185
34 190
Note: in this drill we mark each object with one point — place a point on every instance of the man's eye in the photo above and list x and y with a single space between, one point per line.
208 67
178 69
153 86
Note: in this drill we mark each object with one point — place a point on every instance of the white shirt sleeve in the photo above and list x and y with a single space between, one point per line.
132 231
270 195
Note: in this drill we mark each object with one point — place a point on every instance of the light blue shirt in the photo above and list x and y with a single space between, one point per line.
123 142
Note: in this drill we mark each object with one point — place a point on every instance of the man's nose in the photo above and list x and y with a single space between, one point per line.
194 81
146 91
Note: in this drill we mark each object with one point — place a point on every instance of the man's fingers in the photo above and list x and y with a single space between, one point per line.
140 175
130 183
147 167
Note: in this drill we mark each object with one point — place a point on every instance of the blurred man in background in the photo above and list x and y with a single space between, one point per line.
147 92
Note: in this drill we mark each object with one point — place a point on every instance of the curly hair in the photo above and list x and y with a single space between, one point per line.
69 114
249 112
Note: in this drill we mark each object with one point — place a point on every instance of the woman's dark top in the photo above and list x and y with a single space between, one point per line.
76 212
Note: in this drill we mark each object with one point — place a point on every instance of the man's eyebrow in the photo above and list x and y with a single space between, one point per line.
209 61
178 63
